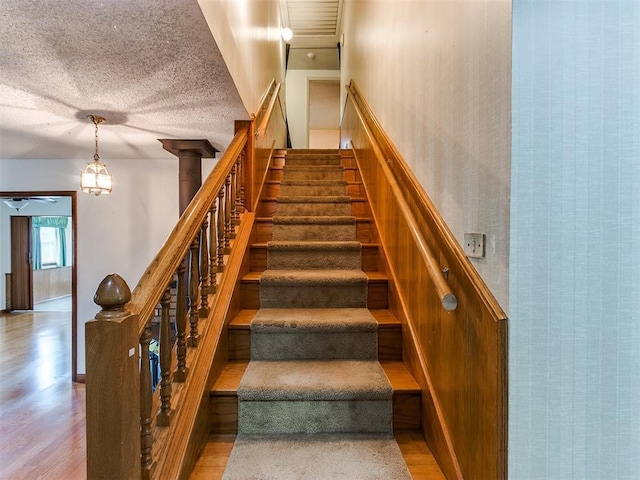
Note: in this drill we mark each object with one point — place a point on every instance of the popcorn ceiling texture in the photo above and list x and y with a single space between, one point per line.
152 68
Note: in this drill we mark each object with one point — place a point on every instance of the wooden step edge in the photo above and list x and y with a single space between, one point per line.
229 379
242 320
227 383
374 277
385 318
367 245
377 277
400 378
270 219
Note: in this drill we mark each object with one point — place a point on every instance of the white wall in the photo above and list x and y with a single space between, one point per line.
247 33
297 100
117 233
437 76
574 380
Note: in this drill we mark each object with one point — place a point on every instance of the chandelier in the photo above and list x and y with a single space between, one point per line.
95 177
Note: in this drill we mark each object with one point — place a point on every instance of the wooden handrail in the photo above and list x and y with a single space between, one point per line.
464 421
427 206
265 118
153 282
447 299
197 271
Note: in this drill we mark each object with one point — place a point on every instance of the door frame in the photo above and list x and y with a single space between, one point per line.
74 267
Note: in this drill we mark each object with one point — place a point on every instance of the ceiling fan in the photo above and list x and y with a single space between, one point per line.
21 202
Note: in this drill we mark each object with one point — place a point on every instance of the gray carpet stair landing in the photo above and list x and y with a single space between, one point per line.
314 402
317 457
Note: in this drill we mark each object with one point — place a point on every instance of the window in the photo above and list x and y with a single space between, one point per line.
49 247
50 242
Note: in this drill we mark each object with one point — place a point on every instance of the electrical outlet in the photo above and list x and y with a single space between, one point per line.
474 245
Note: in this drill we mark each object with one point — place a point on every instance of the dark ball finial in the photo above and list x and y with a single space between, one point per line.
112 295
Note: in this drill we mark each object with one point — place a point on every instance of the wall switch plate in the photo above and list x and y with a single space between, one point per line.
474 245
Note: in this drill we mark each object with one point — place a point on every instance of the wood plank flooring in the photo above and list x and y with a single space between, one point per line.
42 413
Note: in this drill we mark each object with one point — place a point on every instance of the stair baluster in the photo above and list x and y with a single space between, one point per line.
213 246
235 216
164 415
204 270
193 294
146 439
180 374
221 230
229 230
241 160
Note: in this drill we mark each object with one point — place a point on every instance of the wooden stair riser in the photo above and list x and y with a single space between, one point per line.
274 188
311 296
319 232
302 208
312 190
406 400
389 343
368 258
313 159
313 258
315 416
264 231
358 209
376 294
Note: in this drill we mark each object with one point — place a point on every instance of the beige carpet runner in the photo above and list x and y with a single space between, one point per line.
314 402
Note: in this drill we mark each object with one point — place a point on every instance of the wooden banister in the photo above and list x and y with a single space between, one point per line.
457 352
159 273
192 282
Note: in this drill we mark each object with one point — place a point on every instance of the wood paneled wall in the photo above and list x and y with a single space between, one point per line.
459 357
51 283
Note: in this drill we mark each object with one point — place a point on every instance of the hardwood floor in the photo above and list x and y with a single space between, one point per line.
42 413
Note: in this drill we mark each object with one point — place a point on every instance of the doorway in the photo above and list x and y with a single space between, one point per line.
324 114
51 210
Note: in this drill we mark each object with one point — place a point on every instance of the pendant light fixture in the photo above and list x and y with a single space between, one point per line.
95 177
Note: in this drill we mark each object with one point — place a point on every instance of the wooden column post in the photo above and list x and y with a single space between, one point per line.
113 385
190 154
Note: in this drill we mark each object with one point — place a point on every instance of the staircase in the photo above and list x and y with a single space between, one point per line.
315 386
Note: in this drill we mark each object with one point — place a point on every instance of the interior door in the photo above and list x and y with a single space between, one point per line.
21 264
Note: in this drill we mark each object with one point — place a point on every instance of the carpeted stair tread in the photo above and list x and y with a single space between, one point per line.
314 199
313 160
313 289
315 278
309 320
313 172
313 183
316 457
306 188
314 220
311 206
314 334
314 255
314 380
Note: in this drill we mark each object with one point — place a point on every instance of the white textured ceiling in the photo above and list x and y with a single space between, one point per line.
151 67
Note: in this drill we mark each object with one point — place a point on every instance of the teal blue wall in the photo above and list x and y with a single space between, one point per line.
574 263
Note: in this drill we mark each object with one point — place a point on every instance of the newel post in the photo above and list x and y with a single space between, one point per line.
113 385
